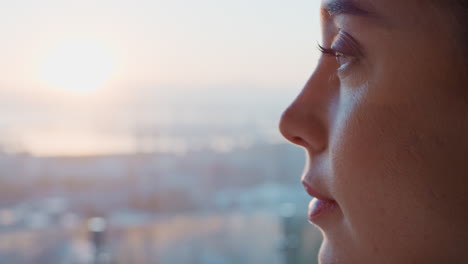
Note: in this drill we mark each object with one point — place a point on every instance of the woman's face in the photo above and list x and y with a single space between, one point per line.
385 126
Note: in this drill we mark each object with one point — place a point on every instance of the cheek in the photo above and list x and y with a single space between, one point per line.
362 150
388 163
375 170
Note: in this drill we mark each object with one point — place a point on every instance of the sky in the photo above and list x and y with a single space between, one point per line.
68 67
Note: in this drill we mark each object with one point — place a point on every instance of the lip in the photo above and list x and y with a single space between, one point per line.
319 208
312 192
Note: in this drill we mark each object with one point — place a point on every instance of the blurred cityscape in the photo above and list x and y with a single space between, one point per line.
207 205
146 132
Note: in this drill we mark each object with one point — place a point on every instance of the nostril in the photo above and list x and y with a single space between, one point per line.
298 141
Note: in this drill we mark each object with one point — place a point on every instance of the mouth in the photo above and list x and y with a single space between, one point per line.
319 209
320 206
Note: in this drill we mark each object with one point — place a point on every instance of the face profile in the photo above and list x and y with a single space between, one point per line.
384 121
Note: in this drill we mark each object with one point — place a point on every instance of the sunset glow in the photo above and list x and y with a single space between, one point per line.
88 77
79 66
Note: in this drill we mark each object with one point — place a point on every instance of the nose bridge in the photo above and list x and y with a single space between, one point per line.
305 121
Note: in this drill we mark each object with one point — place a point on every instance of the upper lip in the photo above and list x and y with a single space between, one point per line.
314 193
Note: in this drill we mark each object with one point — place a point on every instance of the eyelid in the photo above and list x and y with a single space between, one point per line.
346 50
346 44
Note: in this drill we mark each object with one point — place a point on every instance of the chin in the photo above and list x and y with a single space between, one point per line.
335 253
326 254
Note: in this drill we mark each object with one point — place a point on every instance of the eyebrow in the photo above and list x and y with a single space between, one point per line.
339 7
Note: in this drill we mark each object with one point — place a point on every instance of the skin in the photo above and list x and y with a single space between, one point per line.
387 139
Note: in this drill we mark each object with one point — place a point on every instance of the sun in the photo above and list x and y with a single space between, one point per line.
80 66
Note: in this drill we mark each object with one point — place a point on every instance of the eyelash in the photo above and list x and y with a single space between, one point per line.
345 49
329 52
340 57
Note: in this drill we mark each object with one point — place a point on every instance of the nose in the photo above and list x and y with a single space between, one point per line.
306 121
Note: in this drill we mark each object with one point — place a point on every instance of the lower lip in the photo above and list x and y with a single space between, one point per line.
319 208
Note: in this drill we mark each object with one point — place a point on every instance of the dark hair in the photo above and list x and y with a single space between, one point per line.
462 14
463 3
463 27
457 10
460 10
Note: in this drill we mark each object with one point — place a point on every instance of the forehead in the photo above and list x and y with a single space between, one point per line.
405 13
356 5
361 4
331 9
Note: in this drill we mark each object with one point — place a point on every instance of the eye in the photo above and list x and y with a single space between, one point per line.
342 58
345 49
